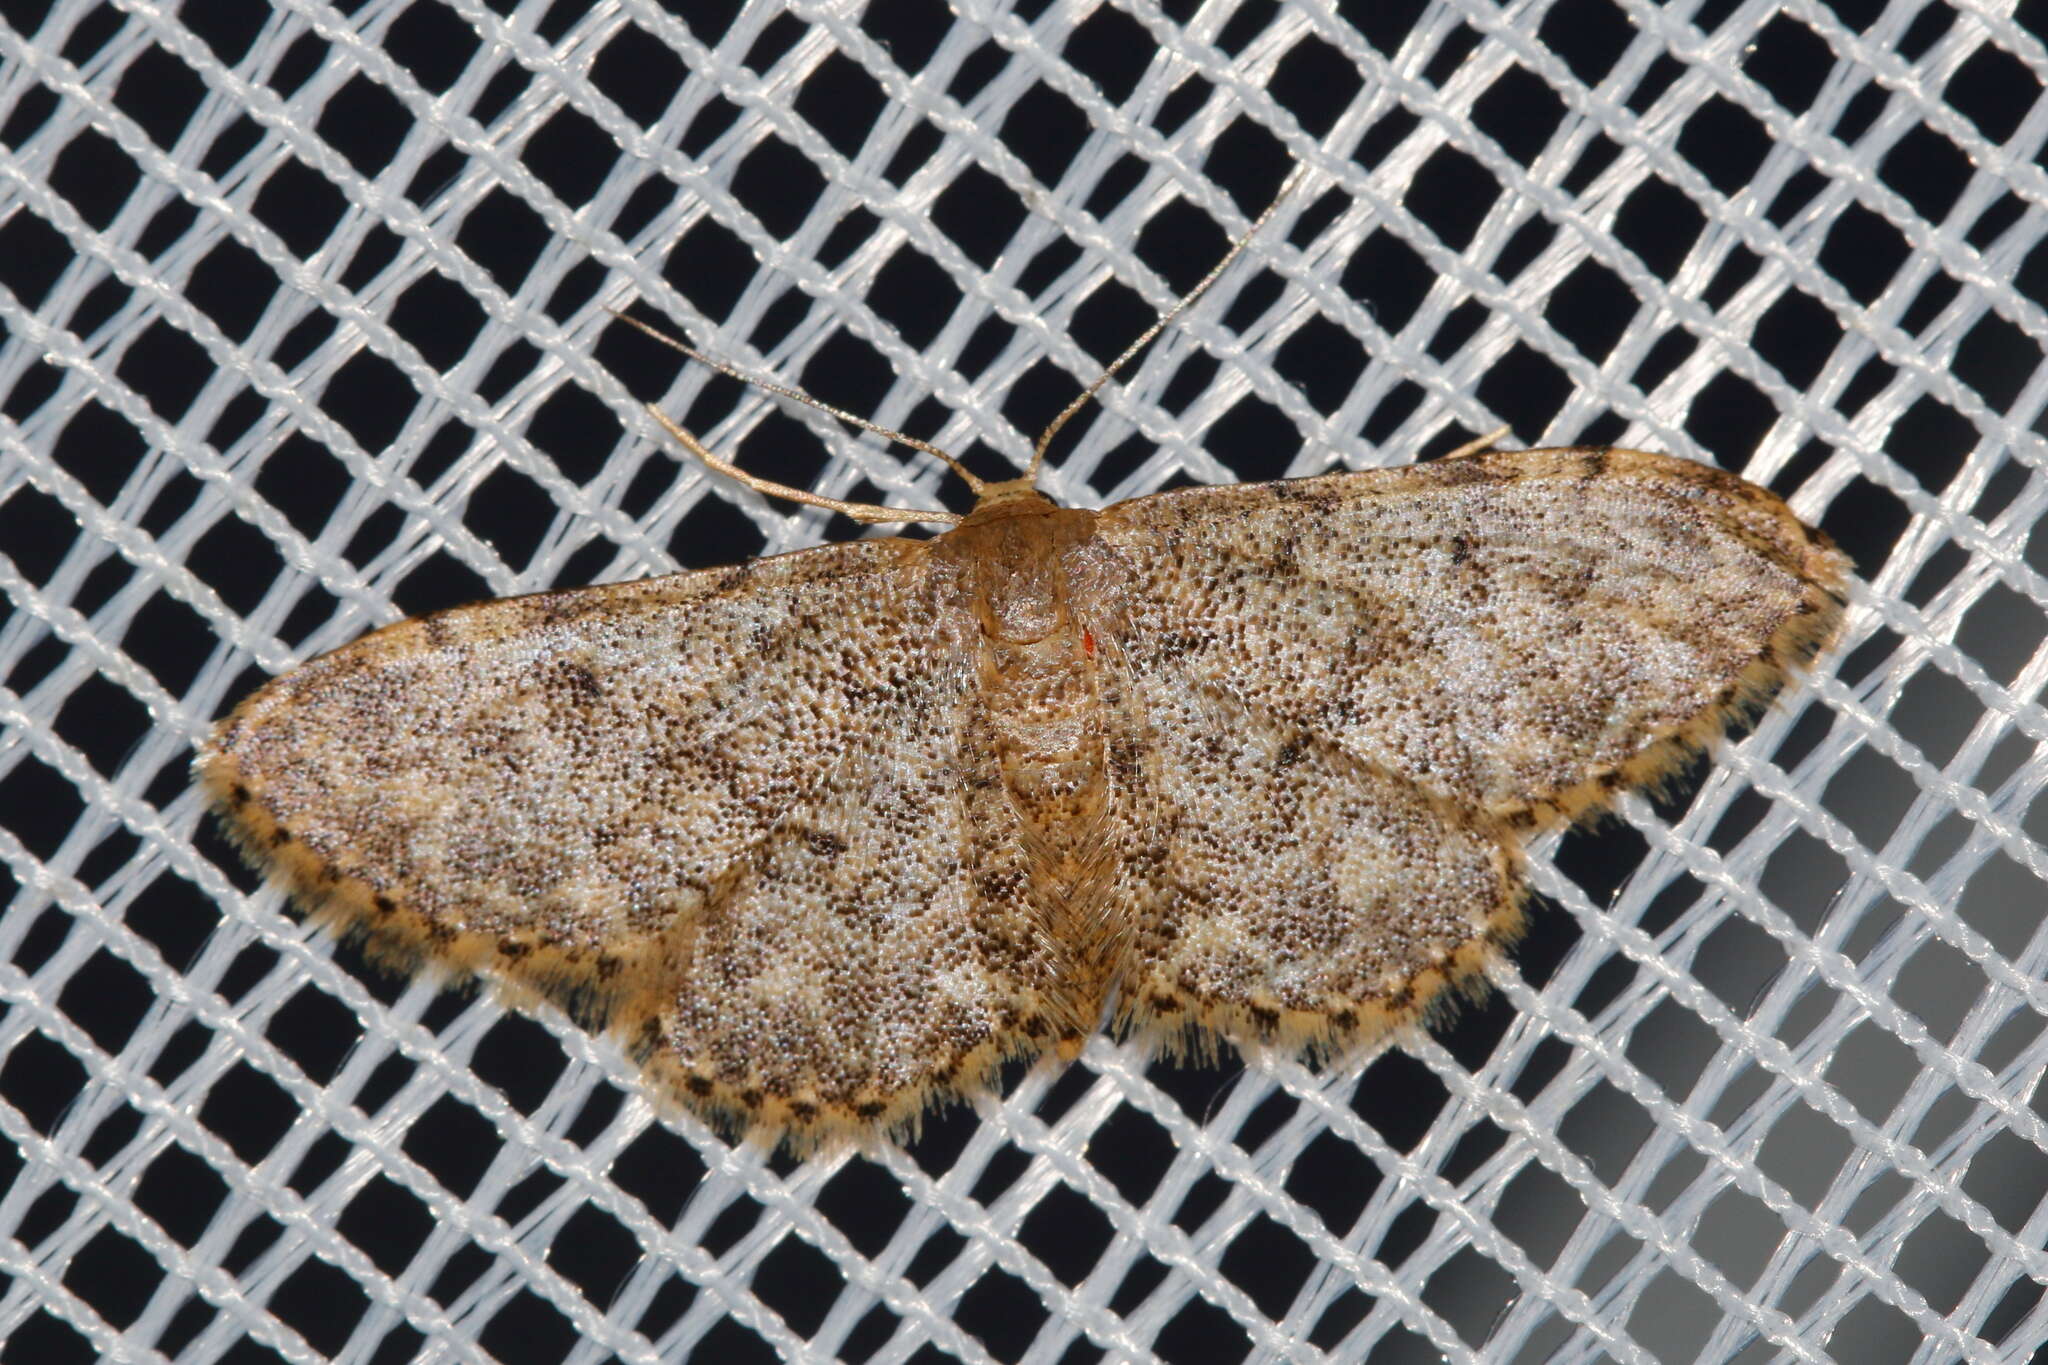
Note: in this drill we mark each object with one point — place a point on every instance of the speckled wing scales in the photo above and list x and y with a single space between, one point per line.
1495 643
710 811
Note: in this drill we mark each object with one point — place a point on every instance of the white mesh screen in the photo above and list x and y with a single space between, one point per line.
305 330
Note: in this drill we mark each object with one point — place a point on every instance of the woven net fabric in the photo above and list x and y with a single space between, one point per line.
306 328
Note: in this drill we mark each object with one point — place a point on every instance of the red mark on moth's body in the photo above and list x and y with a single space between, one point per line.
1088 642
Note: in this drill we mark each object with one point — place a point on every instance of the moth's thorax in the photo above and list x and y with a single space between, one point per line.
1011 559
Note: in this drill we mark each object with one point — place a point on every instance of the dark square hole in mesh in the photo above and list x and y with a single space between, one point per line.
1796 335
101 449
44 1340
640 73
571 155
1202 1332
1067 1233
232 286
2001 631
1725 142
248 1111
511 513
36 384
1538 1212
1324 361
371 398
1002 1312
1866 521
1314 81
715 532
1997 359
461 1270
869 1335
95 175
842 102
107 998
1994 90
1112 50
316 1031
1251 428
865 1203
302 338
304 481
778 185
1520 111
166 369
1731 417
237 561
594 1253
1930 301
799 1283
432 45
300 205
710 266
161 93
529 1328
1132 1151
1469 1291
1928 169
365 123
1526 388
1592 308
1606 1129
1270 1263
1789 60
41 805
454 1144
980 214
103 721
115 1276
1659 223
1451 195
1046 131
174 915
914 295
439 318
1590 35
1871 1330
505 236
1334 1179
1399 1097
1459 326
321 1303
387 1222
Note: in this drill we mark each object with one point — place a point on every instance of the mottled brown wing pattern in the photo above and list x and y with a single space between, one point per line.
718 812
1350 672
1527 631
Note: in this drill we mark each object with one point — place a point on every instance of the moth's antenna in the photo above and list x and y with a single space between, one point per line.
798 395
1165 321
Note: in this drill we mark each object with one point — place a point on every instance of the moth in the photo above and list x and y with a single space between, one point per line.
826 837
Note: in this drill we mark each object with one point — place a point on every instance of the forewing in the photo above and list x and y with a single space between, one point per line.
718 809
1523 631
